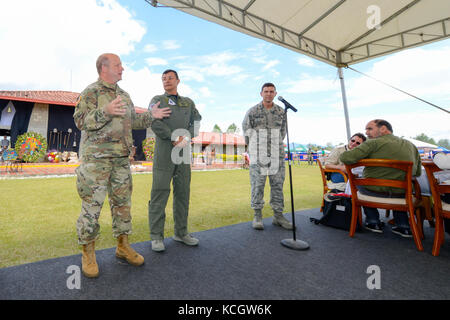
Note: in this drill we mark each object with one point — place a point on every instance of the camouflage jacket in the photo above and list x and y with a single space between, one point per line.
104 135
261 122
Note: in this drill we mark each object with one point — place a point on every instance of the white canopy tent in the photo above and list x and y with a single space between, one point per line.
337 32
421 144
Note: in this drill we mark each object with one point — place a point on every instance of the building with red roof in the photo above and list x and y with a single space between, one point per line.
50 113
63 98
210 144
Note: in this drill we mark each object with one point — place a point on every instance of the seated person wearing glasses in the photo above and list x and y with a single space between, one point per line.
333 162
382 144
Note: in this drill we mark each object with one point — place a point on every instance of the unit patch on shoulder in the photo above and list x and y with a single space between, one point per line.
78 100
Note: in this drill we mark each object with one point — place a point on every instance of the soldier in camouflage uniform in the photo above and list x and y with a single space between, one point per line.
172 161
264 127
105 114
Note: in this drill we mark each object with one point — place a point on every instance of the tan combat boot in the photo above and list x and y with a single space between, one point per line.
88 262
257 220
124 251
280 220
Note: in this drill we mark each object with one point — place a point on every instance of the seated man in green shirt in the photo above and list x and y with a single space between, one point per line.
382 144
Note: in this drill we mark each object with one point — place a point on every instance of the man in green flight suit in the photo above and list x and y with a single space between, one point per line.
105 115
172 162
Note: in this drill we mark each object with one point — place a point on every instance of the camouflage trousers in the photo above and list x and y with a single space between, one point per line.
95 180
258 181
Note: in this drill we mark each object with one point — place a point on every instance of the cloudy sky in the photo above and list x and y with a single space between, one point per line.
53 45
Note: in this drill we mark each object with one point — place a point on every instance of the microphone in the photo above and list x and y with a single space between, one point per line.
287 104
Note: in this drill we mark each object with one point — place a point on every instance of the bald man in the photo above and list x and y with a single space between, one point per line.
106 116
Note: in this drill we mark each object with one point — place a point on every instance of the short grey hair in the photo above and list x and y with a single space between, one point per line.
102 60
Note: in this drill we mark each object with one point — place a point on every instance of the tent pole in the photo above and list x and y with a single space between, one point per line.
344 99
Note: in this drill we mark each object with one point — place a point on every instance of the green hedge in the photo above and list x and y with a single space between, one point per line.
223 157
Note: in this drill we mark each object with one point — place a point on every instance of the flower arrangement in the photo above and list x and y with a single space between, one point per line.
9 155
148 147
31 146
54 156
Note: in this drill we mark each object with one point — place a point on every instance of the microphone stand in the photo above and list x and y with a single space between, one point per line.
292 243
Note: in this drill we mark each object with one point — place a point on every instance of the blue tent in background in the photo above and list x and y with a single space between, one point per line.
296 147
300 148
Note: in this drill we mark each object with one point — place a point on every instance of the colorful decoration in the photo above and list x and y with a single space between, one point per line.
9 155
54 156
148 147
31 146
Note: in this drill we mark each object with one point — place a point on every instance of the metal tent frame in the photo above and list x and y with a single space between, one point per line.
337 32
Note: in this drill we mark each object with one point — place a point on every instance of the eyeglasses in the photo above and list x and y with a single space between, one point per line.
357 142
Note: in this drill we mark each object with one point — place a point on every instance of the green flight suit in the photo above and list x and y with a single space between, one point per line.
167 165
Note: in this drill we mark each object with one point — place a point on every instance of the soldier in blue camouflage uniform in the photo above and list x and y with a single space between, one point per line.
172 162
105 114
264 127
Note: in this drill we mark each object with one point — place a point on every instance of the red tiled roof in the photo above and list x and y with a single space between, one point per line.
68 98
65 98
219 138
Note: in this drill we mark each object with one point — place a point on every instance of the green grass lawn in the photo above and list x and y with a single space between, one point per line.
38 216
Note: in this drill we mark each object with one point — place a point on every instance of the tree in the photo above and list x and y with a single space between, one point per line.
217 129
444 143
424 138
233 128
313 147
329 146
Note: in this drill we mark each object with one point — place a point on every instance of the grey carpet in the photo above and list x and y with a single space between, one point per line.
238 263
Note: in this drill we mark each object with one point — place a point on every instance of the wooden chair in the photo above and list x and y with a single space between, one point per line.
409 204
441 209
328 185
